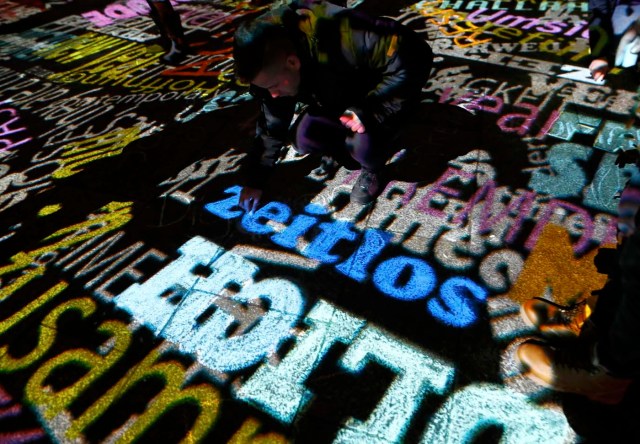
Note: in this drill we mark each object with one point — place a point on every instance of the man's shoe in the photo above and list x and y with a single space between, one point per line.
328 166
555 320
175 55
571 369
366 189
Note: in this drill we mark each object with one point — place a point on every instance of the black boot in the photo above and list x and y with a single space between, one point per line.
367 188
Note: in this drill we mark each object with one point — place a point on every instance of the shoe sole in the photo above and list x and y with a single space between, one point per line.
526 319
610 399
567 333
356 201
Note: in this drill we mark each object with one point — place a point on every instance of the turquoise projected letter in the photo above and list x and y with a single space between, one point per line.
222 353
229 269
280 389
417 374
471 410
568 178
148 302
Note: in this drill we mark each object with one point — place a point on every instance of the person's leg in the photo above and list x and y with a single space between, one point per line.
369 149
608 297
319 132
168 22
315 132
618 350
602 371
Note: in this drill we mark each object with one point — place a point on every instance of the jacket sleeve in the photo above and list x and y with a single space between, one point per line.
401 56
271 136
601 29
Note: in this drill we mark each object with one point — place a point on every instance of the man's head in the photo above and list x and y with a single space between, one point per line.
265 53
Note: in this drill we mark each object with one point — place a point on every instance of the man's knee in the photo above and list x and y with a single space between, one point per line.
317 134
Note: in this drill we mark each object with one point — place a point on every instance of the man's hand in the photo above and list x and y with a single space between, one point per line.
352 121
249 199
599 69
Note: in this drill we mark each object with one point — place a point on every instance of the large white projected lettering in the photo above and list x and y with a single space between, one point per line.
172 301
417 374
476 407
279 389
182 302
150 302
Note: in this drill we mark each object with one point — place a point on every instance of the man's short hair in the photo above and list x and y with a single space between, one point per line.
261 40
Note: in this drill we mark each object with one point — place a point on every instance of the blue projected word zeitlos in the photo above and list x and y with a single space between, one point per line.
401 277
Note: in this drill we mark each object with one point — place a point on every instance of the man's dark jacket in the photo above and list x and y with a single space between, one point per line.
602 40
374 67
